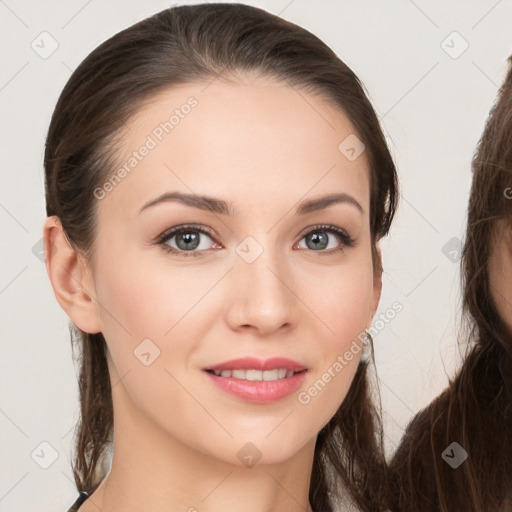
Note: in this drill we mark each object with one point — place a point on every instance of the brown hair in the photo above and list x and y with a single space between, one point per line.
476 409
190 44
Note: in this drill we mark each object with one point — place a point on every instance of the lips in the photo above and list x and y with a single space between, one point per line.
252 363
257 391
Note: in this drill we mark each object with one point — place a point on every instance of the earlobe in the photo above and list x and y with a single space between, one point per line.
70 277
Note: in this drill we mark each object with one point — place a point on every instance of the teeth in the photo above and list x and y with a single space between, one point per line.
276 374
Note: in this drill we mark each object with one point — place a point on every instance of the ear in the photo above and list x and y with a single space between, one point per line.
71 277
377 286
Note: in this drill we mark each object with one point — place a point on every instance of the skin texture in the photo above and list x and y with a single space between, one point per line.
500 271
264 147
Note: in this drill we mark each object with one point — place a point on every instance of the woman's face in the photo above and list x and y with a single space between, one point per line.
254 284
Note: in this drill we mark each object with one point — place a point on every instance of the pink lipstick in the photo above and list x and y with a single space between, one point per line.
258 381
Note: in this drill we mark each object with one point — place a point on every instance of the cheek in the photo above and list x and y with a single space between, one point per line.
141 300
500 277
144 311
342 301
138 298
133 305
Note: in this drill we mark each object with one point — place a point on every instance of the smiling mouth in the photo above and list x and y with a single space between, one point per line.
256 375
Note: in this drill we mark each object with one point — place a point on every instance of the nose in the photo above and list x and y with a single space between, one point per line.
262 296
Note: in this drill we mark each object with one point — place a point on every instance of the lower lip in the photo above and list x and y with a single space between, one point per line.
262 392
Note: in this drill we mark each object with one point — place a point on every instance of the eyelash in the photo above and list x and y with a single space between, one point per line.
346 240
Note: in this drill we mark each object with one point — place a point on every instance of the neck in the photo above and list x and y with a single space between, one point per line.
153 470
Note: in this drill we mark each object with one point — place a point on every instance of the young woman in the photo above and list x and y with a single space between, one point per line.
429 472
216 185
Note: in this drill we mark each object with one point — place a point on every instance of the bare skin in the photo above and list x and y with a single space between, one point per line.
260 145
500 271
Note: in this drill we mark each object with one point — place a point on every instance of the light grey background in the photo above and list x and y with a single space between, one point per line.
432 102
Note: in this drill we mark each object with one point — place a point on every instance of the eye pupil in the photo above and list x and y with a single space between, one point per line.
319 241
189 238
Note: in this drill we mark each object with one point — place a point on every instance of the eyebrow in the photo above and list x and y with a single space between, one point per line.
221 207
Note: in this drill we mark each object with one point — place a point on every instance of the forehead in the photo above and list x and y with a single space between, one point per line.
249 141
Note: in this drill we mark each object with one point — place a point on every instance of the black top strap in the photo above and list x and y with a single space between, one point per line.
81 498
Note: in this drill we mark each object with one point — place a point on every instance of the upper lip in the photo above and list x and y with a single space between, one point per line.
252 363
